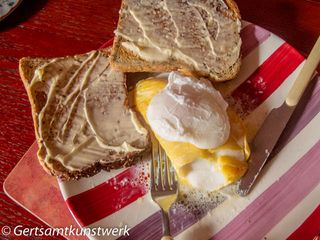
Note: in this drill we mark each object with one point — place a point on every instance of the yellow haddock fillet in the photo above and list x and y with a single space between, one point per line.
181 153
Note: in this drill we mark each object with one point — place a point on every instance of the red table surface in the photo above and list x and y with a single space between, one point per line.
62 27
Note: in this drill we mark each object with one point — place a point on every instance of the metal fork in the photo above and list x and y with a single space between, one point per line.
163 183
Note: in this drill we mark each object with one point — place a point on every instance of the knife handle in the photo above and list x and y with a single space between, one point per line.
305 76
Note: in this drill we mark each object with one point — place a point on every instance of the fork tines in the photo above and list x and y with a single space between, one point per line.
162 172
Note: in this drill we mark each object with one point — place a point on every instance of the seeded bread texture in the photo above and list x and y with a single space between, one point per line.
27 68
124 60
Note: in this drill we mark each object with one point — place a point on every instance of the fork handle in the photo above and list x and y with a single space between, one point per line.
165 225
167 238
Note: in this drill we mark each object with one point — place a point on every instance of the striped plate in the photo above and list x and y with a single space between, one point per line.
286 194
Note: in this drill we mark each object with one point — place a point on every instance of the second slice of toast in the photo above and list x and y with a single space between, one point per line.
200 38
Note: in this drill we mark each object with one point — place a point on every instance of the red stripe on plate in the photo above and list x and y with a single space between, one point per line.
309 229
107 198
267 78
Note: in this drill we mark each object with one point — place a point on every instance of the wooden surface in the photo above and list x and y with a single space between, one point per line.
61 27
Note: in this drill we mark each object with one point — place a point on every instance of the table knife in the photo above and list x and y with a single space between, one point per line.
268 135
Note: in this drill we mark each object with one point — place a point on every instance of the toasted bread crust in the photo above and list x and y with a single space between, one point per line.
126 61
27 67
234 8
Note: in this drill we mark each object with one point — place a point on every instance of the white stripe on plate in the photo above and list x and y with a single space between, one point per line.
75 187
279 165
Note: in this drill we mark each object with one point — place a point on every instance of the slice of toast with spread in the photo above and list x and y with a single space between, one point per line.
81 115
197 37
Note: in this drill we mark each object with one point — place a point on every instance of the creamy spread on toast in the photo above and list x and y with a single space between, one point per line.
200 33
84 118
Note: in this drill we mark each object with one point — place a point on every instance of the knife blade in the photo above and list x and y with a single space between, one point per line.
263 144
271 129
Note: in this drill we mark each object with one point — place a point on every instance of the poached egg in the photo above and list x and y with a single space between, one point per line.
189 110
204 139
